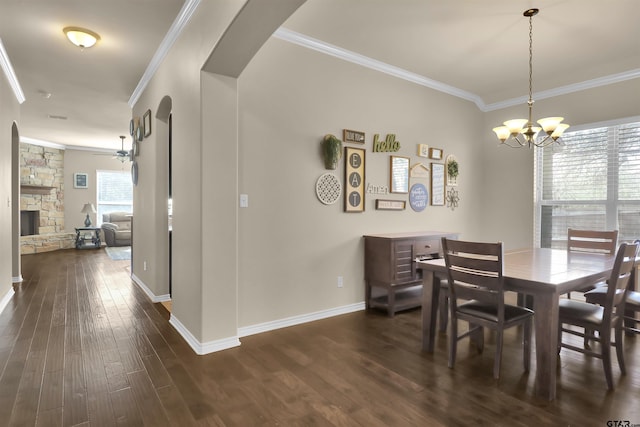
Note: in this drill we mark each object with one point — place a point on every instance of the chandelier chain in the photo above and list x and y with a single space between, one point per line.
530 60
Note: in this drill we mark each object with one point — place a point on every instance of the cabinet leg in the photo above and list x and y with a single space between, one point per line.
391 301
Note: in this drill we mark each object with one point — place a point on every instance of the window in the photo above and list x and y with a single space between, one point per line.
593 182
115 193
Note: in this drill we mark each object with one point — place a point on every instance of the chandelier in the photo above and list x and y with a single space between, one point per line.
517 133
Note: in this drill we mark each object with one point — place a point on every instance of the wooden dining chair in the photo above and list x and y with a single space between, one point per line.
601 318
474 272
592 241
631 305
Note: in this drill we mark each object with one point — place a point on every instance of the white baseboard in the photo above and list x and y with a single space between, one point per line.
147 291
230 342
6 298
203 348
18 279
298 320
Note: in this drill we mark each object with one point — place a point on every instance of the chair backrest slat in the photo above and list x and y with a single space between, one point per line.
596 241
474 270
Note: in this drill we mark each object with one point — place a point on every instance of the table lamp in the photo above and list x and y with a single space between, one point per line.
88 208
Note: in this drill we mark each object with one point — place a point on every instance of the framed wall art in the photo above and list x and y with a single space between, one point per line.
423 150
146 123
353 136
437 184
354 179
80 180
435 153
399 173
452 170
390 205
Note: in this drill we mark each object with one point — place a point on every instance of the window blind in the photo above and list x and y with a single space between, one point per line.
593 182
115 193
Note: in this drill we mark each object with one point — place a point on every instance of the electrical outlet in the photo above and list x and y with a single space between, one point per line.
340 282
144 265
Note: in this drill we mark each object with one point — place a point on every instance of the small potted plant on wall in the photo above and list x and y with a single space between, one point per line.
331 150
452 171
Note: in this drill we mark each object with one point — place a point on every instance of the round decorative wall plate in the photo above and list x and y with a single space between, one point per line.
134 172
328 188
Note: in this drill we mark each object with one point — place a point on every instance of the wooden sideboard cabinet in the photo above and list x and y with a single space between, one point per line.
392 281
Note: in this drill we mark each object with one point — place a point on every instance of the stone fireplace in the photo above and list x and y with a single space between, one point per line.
42 200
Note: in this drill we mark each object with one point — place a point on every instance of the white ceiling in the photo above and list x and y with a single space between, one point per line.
478 48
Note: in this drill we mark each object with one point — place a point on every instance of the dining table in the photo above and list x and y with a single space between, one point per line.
541 274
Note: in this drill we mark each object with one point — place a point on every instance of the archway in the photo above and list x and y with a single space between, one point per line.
164 141
16 271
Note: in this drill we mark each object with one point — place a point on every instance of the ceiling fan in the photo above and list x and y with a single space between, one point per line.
122 155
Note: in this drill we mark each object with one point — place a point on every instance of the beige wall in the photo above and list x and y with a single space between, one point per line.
280 257
292 248
179 79
74 198
9 115
507 191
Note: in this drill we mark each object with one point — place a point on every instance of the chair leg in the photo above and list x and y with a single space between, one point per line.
498 356
453 342
620 349
605 345
477 336
559 336
526 335
444 311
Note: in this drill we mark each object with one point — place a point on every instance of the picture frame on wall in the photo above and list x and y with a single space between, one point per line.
80 180
146 123
423 150
435 153
437 184
354 179
399 173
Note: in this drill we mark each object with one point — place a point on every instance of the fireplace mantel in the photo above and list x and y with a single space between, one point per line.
35 189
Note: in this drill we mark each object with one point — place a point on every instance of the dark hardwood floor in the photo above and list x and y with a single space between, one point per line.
80 344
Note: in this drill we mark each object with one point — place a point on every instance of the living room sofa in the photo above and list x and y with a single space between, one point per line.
116 227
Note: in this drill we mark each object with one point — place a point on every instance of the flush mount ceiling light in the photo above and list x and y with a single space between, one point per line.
517 133
81 37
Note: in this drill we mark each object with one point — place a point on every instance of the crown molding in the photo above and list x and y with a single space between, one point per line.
42 143
347 55
174 32
5 63
337 52
565 90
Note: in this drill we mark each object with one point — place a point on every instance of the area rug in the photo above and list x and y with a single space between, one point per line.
118 253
